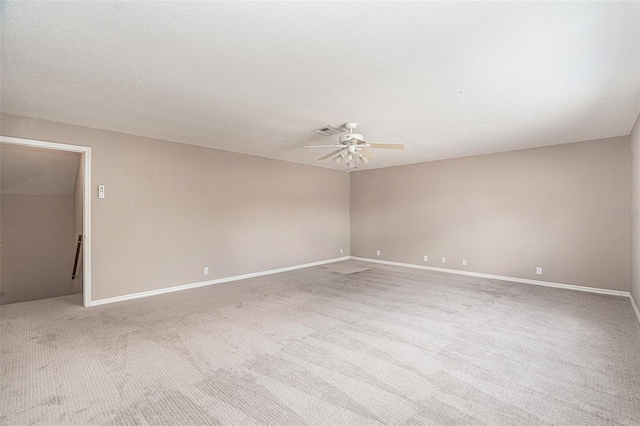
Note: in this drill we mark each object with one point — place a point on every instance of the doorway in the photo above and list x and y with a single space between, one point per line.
46 220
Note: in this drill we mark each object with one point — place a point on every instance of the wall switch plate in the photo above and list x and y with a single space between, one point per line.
539 270
206 270
340 251
100 191
444 260
426 258
378 253
464 262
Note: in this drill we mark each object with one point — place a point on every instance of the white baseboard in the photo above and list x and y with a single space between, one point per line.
210 282
635 307
501 277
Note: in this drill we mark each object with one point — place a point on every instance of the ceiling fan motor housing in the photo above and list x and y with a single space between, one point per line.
346 139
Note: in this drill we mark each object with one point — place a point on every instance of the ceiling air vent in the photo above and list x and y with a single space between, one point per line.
328 130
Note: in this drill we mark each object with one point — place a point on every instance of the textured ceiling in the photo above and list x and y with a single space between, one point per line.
25 170
448 79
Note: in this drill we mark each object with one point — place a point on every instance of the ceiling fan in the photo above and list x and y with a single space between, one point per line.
353 148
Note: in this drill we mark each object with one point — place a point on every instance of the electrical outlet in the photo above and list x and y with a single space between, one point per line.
464 262
206 270
426 258
444 260
539 270
378 253
100 191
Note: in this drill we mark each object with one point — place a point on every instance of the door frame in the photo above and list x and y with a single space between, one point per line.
86 203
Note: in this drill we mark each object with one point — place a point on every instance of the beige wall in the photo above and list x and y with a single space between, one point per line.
78 199
171 209
505 213
37 247
635 212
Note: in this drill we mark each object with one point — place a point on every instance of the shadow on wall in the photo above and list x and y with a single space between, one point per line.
40 212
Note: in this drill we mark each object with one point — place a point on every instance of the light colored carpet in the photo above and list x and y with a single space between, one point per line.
388 345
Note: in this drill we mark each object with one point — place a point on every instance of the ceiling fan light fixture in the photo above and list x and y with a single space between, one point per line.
338 159
364 159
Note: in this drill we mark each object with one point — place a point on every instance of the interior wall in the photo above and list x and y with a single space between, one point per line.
559 207
78 220
635 212
37 247
172 209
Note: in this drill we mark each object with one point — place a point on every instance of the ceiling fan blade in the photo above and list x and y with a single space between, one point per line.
323 146
331 154
366 153
360 142
386 145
